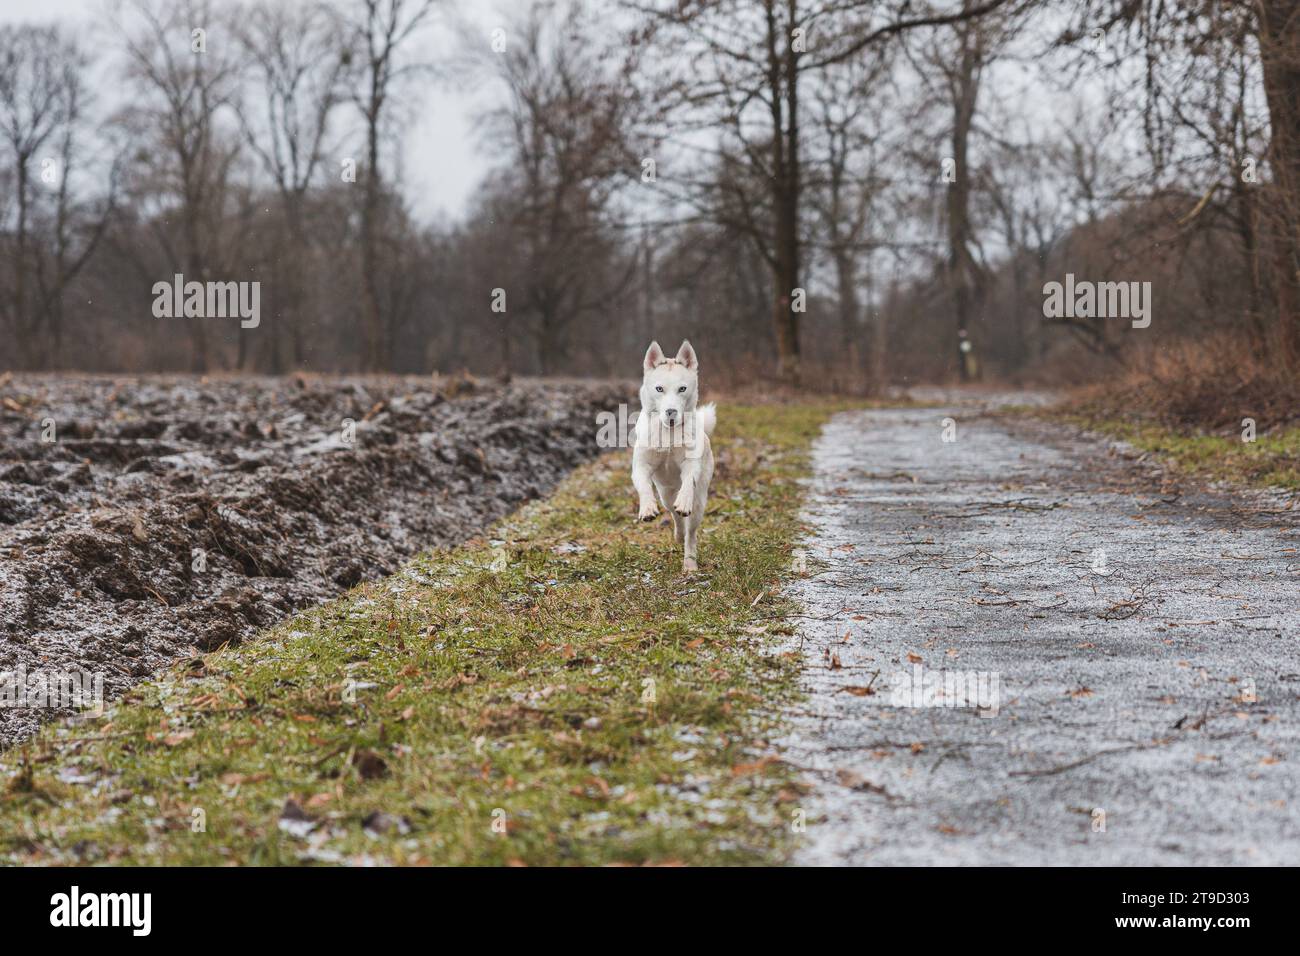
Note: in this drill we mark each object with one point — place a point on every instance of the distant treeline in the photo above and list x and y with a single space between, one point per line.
845 193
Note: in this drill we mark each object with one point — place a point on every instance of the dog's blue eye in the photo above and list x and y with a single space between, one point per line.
659 388
682 389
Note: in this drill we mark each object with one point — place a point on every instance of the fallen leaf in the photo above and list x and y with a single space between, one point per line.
235 779
855 781
758 766
369 765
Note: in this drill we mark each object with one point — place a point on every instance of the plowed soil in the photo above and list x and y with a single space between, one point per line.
174 515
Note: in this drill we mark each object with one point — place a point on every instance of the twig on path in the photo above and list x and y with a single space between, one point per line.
829 617
1132 606
1083 760
883 476
1005 566
1017 504
959 750
860 691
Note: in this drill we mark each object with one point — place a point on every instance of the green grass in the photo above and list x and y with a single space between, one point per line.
557 693
1272 460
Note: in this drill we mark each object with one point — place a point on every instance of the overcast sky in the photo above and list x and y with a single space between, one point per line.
441 163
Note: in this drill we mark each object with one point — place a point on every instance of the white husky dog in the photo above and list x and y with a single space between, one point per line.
672 454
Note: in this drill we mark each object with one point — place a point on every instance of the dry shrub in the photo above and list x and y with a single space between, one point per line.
1210 384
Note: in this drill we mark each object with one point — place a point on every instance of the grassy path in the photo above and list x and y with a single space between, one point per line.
1271 459
554 694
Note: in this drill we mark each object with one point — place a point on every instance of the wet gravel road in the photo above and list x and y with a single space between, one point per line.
1135 646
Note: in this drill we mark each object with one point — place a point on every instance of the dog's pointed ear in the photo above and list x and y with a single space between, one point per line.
653 356
686 355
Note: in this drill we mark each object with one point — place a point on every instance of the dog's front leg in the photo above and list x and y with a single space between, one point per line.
642 468
690 544
684 503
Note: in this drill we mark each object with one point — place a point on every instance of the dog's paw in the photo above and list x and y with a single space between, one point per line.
689 565
683 505
648 512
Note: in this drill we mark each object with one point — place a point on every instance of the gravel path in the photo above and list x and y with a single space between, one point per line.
1134 645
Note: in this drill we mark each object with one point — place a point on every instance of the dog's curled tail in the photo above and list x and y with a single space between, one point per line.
708 417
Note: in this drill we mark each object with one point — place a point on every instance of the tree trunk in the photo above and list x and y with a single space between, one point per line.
26 342
846 293
374 322
197 326
1248 231
546 343
1279 42
784 91
964 277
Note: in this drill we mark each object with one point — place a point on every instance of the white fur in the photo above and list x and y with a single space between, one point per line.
673 455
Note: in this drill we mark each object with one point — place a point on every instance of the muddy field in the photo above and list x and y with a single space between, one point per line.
144 519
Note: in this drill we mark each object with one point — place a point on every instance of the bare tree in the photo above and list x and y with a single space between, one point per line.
845 189
965 51
297 61
379 31
1194 36
567 127
1279 47
185 73
752 90
54 232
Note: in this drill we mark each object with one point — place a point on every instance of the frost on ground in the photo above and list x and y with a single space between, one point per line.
171 514
1134 645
